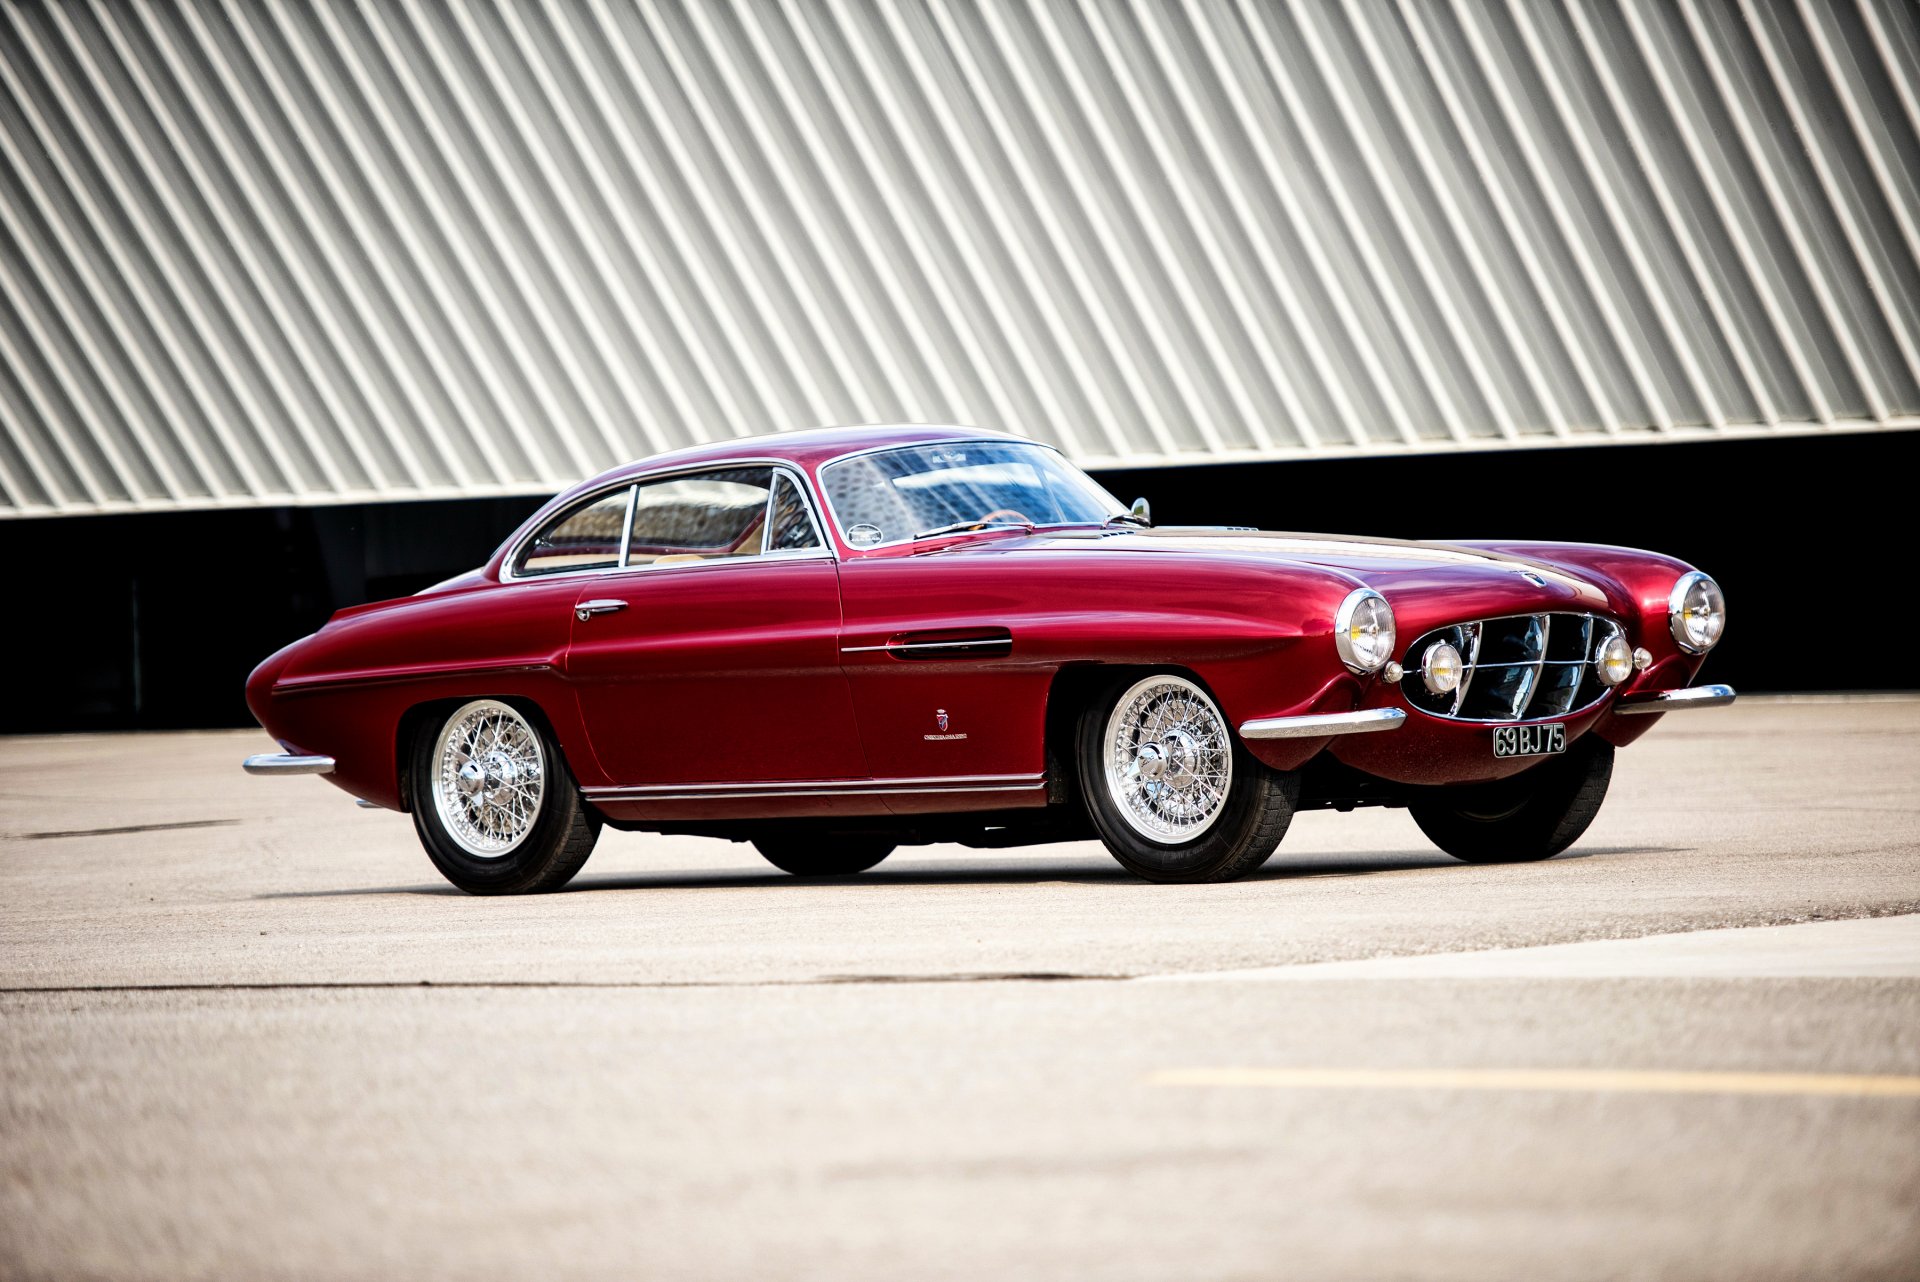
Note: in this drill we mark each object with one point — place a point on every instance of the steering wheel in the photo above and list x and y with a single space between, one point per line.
1000 512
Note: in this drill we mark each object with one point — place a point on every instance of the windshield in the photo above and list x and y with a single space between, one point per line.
893 495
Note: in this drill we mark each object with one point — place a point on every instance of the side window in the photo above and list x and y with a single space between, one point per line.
700 518
587 538
790 526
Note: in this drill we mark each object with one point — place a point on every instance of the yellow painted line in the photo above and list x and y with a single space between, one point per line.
1545 1079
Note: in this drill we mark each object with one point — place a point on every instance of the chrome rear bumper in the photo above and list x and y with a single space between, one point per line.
282 763
1675 700
1319 725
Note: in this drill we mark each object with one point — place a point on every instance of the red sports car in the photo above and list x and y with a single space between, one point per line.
834 643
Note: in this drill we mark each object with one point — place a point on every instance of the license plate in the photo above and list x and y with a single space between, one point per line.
1529 741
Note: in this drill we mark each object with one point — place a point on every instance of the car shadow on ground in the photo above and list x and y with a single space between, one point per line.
1081 871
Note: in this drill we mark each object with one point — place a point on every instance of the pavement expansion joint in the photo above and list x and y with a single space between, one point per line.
988 977
1629 1081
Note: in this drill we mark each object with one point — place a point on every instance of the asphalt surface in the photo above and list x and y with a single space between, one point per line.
245 1031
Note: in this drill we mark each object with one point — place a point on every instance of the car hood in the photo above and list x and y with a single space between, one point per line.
1399 568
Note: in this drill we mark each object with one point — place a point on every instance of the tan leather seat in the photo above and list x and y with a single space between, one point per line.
677 558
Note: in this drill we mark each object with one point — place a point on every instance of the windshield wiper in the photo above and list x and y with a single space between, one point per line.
959 527
1129 518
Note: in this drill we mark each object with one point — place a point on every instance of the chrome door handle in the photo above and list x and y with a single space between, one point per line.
587 609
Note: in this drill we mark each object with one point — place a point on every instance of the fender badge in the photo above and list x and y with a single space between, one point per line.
941 720
1533 578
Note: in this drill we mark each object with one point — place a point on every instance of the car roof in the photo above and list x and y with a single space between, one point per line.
808 448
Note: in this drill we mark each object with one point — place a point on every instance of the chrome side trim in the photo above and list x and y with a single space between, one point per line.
972 643
817 788
1320 724
285 763
1715 696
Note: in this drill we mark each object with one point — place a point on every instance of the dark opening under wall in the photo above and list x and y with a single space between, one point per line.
154 621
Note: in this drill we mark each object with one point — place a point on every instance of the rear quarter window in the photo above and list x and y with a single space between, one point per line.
587 538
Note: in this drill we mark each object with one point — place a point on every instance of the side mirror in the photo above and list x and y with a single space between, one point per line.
1142 509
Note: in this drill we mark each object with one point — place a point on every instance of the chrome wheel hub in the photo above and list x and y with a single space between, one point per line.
1169 760
491 774
1180 754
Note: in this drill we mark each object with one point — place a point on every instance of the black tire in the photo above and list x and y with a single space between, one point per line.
548 853
1533 815
825 854
1259 801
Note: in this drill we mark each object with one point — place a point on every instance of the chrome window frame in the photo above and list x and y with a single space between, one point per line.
507 573
839 527
821 542
808 498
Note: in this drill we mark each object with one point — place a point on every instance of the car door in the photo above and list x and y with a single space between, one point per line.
941 684
711 656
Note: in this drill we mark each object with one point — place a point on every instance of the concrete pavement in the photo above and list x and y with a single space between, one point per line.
1862 948
244 1031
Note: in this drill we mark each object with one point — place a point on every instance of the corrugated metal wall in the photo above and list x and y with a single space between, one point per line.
297 252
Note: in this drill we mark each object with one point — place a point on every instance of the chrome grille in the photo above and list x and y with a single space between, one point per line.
1523 667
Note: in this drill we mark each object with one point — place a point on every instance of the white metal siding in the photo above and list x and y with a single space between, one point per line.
303 252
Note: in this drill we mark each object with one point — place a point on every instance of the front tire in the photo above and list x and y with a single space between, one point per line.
1533 815
1171 790
495 805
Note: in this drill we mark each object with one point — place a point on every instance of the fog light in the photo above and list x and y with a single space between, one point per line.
1614 662
1440 668
1642 658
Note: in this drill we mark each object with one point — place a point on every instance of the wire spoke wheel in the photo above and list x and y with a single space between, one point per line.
1169 759
490 777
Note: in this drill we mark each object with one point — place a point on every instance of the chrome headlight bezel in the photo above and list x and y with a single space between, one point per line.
1371 654
1680 612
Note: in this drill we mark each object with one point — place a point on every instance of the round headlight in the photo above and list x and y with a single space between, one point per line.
1363 630
1697 612
1614 662
1440 668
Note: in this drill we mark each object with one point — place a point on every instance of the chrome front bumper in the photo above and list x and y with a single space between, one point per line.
1320 725
1675 700
1371 720
283 763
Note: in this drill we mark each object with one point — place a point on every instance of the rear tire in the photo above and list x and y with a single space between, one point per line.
826 855
1533 815
1173 793
494 804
